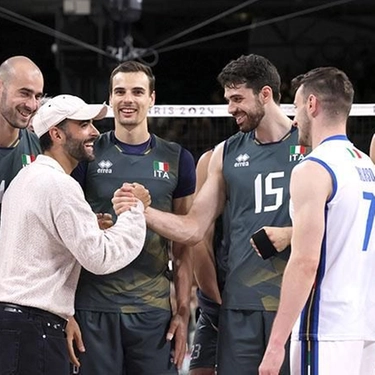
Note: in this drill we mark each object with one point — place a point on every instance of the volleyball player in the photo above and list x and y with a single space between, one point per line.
125 318
327 294
21 89
249 173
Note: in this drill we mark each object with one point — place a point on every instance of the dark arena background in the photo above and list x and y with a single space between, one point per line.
78 42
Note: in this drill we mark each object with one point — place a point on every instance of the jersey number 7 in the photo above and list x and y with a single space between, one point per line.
370 218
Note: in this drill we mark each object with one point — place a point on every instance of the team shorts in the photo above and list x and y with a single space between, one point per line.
203 351
242 340
332 357
125 344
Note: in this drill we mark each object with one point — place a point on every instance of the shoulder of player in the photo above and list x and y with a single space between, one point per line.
310 174
28 136
161 141
175 149
104 139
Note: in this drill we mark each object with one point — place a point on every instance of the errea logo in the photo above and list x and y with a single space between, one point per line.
242 160
104 166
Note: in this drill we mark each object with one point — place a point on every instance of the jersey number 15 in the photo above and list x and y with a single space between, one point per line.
265 188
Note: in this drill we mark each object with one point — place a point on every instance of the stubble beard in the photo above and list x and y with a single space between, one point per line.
77 150
10 115
254 118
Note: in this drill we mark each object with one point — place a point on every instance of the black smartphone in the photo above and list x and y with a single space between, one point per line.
264 244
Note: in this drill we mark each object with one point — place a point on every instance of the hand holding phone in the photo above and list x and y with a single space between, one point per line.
263 243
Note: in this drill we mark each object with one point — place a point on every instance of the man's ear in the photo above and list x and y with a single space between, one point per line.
55 133
266 94
153 97
312 104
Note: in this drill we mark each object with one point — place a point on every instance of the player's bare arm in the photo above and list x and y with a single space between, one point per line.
372 149
310 188
203 253
207 206
183 279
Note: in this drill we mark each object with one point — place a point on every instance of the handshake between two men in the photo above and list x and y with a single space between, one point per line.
123 199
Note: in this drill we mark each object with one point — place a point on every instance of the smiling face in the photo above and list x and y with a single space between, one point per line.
244 106
20 96
79 139
131 99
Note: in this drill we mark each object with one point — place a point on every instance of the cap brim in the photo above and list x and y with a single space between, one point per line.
90 112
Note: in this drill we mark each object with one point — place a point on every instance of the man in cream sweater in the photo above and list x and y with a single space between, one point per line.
48 232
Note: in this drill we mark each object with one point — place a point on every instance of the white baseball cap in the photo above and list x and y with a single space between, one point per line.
64 107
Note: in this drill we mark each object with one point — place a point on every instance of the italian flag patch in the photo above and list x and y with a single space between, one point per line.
161 166
355 153
27 159
298 150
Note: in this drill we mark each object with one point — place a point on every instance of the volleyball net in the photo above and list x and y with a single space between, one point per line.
200 127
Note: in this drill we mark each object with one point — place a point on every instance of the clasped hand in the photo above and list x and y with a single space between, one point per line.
128 195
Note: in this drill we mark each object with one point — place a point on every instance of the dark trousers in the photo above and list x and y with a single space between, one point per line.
32 342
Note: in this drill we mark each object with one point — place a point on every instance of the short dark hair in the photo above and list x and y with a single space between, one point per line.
45 140
132 67
330 85
253 70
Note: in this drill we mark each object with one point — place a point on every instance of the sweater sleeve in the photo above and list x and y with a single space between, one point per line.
98 251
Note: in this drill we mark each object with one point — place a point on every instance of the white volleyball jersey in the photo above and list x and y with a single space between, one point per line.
341 305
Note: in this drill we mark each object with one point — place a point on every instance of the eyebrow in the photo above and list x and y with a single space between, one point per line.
30 91
233 96
132 88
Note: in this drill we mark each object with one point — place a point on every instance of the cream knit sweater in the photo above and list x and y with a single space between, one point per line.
48 231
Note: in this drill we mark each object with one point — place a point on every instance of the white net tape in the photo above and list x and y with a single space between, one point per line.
221 110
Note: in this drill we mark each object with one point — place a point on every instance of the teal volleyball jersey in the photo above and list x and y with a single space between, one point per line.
143 285
257 178
12 159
